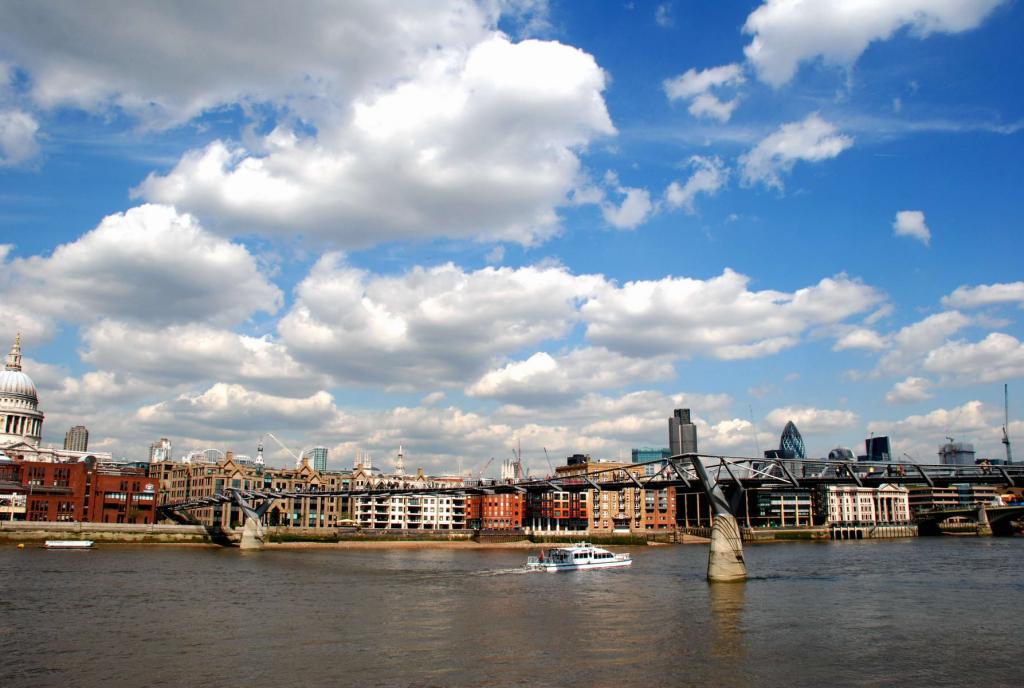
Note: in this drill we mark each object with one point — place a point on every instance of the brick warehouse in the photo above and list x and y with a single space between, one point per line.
81 491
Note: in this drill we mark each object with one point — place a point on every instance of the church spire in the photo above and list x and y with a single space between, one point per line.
14 358
400 462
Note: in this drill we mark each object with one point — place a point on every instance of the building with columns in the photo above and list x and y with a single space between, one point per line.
21 420
866 506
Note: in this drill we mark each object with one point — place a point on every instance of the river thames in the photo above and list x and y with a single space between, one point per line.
928 611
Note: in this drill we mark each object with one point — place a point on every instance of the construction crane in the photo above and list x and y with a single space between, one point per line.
480 474
517 462
549 461
259 450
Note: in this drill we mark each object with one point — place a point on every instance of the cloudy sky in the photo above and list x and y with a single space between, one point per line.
457 226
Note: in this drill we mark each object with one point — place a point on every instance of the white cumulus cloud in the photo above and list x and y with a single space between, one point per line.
810 420
225 408
997 358
543 378
426 327
985 295
478 143
167 62
701 89
710 174
909 390
718 317
910 344
17 137
860 338
910 223
633 211
810 140
921 435
196 352
149 263
788 32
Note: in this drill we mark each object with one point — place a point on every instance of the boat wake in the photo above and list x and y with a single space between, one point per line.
502 572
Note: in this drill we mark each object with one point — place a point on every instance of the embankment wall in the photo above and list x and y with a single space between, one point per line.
23 531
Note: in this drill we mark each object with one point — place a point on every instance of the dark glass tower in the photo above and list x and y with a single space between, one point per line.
877 449
682 433
792 443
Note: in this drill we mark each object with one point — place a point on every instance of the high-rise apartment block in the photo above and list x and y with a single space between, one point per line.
77 439
160 450
318 457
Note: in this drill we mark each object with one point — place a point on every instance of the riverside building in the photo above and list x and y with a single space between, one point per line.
629 510
410 512
180 482
79 491
780 508
856 512
502 512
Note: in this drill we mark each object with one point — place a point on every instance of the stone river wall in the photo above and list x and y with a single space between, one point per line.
27 531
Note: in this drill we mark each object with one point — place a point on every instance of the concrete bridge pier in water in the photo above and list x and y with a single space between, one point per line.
253 533
984 526
725 555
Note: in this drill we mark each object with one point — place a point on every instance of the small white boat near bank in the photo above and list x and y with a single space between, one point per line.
579 556
68 544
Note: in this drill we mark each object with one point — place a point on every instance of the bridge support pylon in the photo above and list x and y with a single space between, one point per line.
984 525
725 556
253 533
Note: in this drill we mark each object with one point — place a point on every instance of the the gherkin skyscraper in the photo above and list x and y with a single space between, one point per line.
791 443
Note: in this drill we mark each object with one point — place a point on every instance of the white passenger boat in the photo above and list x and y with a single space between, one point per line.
582 555
68 544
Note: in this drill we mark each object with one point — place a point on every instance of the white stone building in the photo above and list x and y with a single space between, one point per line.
867 506
21 421
410 512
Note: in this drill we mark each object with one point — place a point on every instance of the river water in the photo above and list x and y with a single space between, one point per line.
928 611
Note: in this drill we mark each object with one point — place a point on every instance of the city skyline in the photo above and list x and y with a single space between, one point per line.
456 227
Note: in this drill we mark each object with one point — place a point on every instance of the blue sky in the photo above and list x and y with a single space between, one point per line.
458 226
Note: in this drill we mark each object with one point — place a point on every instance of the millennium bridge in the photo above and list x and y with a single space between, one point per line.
723 479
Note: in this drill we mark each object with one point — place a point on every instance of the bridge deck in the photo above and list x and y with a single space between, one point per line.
729 473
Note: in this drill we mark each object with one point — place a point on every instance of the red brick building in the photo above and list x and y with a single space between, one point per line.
559 511
82 491
496 511
627 510
122 496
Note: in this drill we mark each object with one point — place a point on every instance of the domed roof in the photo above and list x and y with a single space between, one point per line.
13 382
17 383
